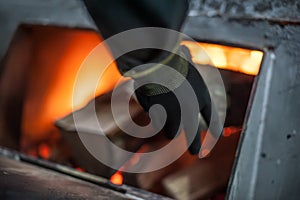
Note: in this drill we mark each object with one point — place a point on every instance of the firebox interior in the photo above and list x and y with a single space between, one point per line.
36 85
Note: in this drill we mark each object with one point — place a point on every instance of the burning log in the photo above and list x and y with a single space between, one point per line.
88 126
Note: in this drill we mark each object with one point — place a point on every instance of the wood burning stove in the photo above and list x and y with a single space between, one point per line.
45 42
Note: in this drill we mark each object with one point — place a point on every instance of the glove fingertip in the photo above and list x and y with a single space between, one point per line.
194 148
195 144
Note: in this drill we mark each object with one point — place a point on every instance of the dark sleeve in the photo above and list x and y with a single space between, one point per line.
115 16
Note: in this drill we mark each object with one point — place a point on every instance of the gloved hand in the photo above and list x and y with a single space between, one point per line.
149 95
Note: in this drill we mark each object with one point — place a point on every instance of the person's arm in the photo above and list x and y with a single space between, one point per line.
115 16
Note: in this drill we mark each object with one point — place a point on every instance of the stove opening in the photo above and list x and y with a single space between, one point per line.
36 86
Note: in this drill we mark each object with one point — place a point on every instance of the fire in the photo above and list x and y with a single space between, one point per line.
44 151
80 169
58 54
225 57
228 131
117 178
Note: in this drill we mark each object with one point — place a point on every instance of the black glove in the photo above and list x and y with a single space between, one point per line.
147 96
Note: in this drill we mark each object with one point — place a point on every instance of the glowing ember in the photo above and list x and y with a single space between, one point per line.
80 169
117 178
225 57
44 151
228 131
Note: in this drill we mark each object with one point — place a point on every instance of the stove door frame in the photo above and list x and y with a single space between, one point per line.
266 160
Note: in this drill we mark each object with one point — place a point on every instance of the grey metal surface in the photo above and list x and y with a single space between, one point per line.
274 10
72 13
69 13
24 181
24 177
268 160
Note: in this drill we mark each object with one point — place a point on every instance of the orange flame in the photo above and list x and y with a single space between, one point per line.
57 58
44 151
58 54
228 131
225 57
80 169
117 178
